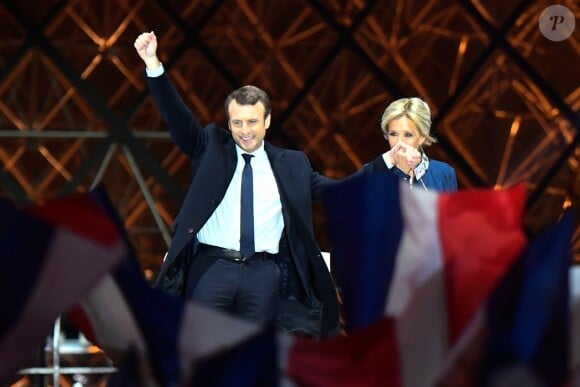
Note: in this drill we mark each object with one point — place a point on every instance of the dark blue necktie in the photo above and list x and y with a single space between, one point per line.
247 210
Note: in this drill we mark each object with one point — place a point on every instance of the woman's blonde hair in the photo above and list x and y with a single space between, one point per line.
414 109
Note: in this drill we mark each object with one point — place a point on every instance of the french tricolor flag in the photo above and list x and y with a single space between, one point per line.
72 256
438 290
52 254
522 335
426 262
154 337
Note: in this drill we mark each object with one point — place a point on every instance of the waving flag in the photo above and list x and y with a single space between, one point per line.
431 282
156 335
365 226
508 343
438 257
270 359
366 357
51 255
148 331
522 335
422 323
528 314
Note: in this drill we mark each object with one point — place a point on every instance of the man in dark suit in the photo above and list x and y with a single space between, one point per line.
283 277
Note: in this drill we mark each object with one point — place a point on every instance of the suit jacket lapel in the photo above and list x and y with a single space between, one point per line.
231 158
284 174
280 165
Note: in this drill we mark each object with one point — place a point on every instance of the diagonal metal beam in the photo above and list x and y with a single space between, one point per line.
19 195
345 37
553 96
117 127
88 165
463 85
354 46
148 197
192 39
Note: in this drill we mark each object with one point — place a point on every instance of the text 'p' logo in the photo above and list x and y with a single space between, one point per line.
557 23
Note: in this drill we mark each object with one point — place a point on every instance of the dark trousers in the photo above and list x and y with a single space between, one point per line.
250 289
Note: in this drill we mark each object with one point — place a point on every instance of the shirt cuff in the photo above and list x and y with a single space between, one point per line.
386 160
154 73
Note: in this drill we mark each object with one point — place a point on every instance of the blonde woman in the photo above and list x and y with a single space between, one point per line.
406 125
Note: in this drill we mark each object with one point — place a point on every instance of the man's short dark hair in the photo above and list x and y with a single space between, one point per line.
249 95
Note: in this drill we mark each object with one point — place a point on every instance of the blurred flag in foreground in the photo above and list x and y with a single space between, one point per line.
433 258
387 240
521 337
152 333
445 296
269 359
50 255
436 257
72 256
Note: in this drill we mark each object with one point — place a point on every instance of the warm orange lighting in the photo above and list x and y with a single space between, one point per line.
567 203
92 349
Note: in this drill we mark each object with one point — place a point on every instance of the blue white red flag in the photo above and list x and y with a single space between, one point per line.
422 275
366 357
158 336
436 258
522 334
51 255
